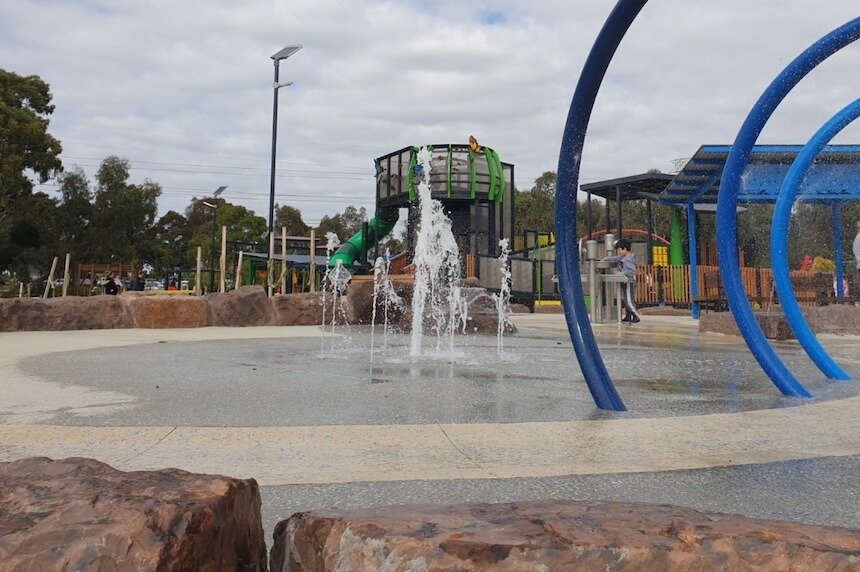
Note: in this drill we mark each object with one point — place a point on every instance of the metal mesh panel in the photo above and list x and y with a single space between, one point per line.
521 275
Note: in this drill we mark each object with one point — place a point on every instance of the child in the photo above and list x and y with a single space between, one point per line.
627 260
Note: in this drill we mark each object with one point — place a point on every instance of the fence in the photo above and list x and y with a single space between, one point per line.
670 285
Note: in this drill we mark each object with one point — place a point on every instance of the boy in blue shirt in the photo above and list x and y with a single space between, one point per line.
627 260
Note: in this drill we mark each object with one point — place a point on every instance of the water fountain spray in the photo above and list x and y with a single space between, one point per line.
436 293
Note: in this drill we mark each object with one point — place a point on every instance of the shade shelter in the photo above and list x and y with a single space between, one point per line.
647 186
834 179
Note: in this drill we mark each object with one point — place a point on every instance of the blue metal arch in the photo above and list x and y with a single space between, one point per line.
727 200
570 158
779 239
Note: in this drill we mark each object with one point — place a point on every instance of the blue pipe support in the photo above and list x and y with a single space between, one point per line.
837 250
570 158
779 239
694 259
728 194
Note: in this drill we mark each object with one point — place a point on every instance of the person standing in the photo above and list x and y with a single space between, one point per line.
856 249
112 284
627 260
139 282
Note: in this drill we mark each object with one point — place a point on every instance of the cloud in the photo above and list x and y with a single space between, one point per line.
184 89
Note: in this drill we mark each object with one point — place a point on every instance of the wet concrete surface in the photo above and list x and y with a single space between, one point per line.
813 491
286 382
662 370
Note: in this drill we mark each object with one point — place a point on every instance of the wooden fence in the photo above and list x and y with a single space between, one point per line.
810 288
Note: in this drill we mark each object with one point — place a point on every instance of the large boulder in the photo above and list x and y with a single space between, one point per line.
834 319
554 535
69 313
301 309
244 306
773 324
81 514
359 301
169 311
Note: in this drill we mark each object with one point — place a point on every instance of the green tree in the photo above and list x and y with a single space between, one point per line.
171 236
344 224
545 186
25 144
291 218
26 148
124 214
75 214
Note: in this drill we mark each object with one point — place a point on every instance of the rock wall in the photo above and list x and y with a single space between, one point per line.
554 535
245 306
834 319
81 514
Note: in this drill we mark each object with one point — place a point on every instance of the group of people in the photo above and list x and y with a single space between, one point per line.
114 285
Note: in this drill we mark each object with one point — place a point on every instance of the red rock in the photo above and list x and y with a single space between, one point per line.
245 306
554 535
80 514
301 309
70 313
169 311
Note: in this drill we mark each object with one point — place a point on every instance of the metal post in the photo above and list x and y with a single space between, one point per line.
837 252
618 210
274 148
212 254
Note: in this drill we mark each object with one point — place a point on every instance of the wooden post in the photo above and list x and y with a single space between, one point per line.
50 277
283 260
66 274
20 289
198 290
312 266
270 266
239 272
223 260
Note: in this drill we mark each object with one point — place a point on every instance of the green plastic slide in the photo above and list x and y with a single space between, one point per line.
378 228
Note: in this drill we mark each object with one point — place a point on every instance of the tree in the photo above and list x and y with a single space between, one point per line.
344 224
25 145
124 214
290 218
75 213
545 186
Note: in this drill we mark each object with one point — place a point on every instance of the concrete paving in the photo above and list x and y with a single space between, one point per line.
322 422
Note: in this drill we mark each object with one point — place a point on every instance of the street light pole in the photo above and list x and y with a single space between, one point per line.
277 57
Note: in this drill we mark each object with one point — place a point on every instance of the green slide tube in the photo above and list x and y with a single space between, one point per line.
378 228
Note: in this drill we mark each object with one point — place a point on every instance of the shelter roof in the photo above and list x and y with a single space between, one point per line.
835 175
635 187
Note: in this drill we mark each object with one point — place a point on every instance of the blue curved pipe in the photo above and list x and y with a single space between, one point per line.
779 240
570 157
728 194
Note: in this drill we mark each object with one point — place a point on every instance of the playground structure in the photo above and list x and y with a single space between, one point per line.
730 178
474 186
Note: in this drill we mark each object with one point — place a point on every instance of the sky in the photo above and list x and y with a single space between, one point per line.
184 90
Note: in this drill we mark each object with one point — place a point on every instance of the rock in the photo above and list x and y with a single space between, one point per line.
773 324
519 309
303 309
169 311
554 535
69 313
245 306
359 301
487 324
81 514
834 319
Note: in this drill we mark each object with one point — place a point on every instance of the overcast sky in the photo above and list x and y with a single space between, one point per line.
184 89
